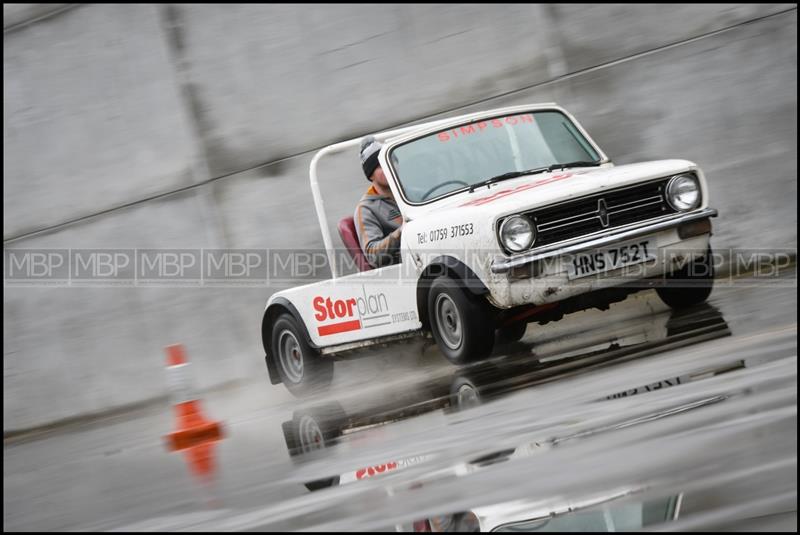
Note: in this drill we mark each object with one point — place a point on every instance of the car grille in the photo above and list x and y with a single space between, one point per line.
599 212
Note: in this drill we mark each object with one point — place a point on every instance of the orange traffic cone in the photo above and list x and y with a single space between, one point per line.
195 435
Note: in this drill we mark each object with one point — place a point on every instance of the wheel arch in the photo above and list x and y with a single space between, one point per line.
279 305
445 266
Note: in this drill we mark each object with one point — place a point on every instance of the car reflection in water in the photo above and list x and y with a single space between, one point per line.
606 513
314 428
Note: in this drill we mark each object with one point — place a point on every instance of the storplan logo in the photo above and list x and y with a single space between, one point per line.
352 313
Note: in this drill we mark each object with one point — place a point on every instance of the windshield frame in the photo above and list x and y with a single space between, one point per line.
387 151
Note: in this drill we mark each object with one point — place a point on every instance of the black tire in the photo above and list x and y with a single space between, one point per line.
301 368
690 285
511 333
466 330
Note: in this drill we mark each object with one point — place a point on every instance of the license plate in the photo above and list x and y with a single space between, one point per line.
602 260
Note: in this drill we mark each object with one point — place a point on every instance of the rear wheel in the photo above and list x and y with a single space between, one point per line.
461 323
690 285
300 366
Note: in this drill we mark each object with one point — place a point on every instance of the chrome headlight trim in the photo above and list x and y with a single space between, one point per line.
672 192
506 227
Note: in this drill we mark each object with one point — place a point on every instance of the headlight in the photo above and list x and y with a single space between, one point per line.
517 233
683 192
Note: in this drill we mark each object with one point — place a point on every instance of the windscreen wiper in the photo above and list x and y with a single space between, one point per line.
506 176
515 174
572 164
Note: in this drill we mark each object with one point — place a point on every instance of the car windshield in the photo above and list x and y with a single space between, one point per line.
462 156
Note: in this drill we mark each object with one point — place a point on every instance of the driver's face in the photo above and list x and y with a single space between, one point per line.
379 178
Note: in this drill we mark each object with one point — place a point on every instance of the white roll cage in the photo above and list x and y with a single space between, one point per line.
383 136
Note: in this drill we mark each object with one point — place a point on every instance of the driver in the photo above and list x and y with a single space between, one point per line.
377 217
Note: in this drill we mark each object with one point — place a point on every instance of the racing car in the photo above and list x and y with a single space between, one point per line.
511 216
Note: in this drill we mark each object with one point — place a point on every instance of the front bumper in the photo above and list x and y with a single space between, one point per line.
609 238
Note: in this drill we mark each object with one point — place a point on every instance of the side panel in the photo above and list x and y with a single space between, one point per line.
357 307
461 239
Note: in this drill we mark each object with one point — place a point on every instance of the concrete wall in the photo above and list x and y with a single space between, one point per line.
193 126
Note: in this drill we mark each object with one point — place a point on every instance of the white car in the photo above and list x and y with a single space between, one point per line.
511 216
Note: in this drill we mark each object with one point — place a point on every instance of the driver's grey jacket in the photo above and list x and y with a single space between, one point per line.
376 217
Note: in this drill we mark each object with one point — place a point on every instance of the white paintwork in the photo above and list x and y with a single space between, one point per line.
383 305
392 290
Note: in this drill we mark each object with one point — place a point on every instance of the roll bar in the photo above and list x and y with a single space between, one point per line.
383 136
319 204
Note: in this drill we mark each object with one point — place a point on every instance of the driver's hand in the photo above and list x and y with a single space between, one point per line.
398 231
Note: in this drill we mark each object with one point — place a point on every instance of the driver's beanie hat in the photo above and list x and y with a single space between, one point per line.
370 147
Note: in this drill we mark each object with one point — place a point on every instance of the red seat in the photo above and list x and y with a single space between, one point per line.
347 231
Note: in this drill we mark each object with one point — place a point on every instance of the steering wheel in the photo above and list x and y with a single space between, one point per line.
434 188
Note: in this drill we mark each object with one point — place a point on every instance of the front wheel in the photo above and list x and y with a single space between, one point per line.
300 366
690 285
461 323
512 333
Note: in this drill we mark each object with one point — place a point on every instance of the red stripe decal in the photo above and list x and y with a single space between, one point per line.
343 327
